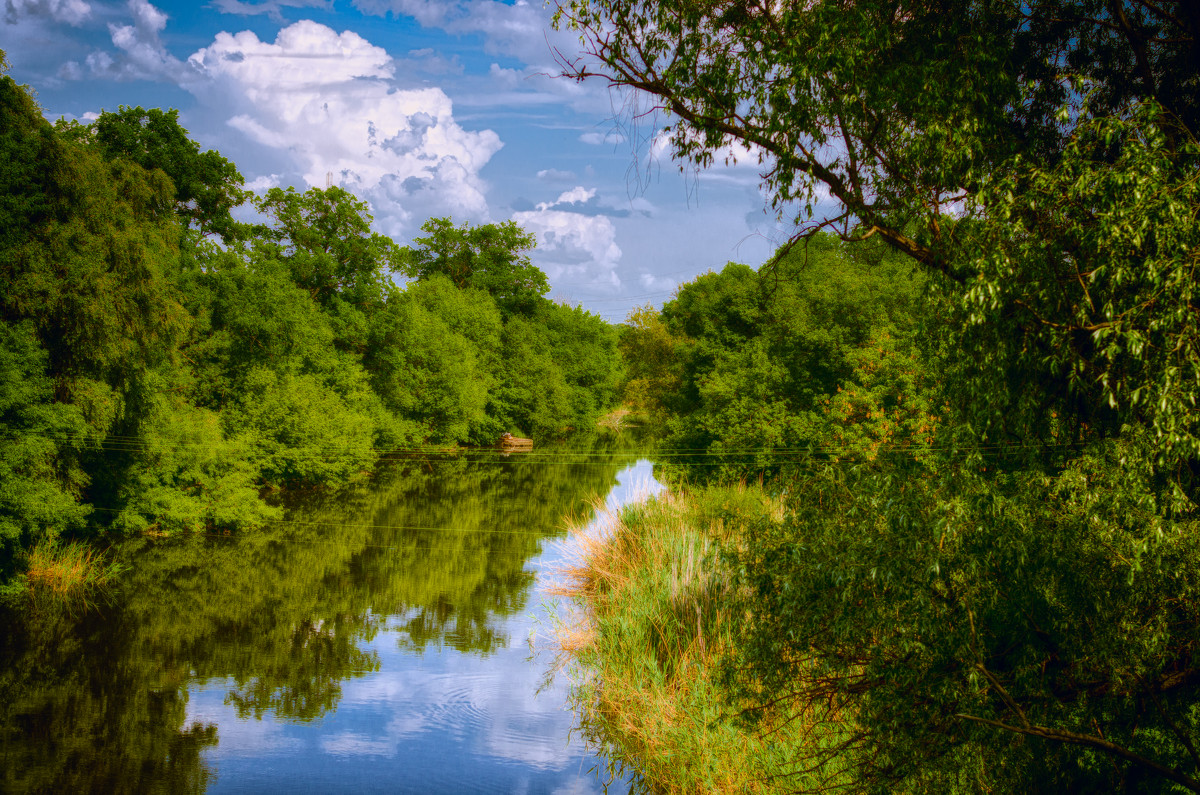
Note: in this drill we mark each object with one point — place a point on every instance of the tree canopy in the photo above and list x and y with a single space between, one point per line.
1002 604
207 186
489 257
169 369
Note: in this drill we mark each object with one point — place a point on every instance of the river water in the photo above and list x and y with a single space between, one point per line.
393 640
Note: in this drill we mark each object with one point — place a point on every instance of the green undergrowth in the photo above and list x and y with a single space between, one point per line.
654 620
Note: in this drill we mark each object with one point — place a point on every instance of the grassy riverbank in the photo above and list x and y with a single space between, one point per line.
655 617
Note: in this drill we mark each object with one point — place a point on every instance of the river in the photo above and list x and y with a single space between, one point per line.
392 640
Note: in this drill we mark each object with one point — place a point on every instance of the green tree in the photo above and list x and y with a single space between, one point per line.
585 348
533 396
813 356
897 109
325 238
488 257
1007 610
207 186
87 251
265 355
427 372
39 485
648 352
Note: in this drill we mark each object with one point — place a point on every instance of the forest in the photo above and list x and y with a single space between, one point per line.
935 466
167 368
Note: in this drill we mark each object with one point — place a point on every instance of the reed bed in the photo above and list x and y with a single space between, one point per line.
654 616
68 569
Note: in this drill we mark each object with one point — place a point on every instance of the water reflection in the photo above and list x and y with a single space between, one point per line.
371 642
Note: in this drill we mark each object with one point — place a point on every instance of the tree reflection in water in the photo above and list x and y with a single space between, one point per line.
436 552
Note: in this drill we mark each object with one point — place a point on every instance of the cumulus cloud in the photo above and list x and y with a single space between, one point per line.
72 12
586 201
71 70
145 55
656 284
328 102
263 183
326 98
581 248
141 54
576 195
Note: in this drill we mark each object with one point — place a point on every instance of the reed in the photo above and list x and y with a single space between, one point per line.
654 617
67 569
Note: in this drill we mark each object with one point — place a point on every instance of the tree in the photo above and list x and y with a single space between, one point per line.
87 248
648 350
488 257
207 186
1007 610
816 356
39 487
325 238
899 110
425 369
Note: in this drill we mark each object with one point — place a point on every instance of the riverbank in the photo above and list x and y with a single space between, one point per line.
656 617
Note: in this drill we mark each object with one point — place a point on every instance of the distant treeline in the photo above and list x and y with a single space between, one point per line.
814 358
164 366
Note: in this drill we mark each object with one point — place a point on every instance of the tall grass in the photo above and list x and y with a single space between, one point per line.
67 569
654 616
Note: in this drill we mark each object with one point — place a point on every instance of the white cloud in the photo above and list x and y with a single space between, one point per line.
71 70
72 12
576 195
556 175
263 183
642 206
326 101
326 98
304 55
572 246
596 138
653 283
508 78
733 154
272 8
431 62
521 30
143 56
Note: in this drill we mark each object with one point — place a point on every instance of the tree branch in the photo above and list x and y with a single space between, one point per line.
1090 741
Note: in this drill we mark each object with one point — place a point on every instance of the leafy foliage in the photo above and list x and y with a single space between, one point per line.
487 257
207 186
159 380
1011 608
815 356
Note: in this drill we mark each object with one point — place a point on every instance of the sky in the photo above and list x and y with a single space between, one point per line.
423 108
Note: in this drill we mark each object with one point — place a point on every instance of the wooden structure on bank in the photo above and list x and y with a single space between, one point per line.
514 444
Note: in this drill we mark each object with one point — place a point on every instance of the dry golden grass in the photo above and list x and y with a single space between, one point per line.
652 621
67 569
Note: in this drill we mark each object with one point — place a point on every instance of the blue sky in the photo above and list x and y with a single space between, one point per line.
421 107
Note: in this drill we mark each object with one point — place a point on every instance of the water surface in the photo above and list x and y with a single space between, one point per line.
373 643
